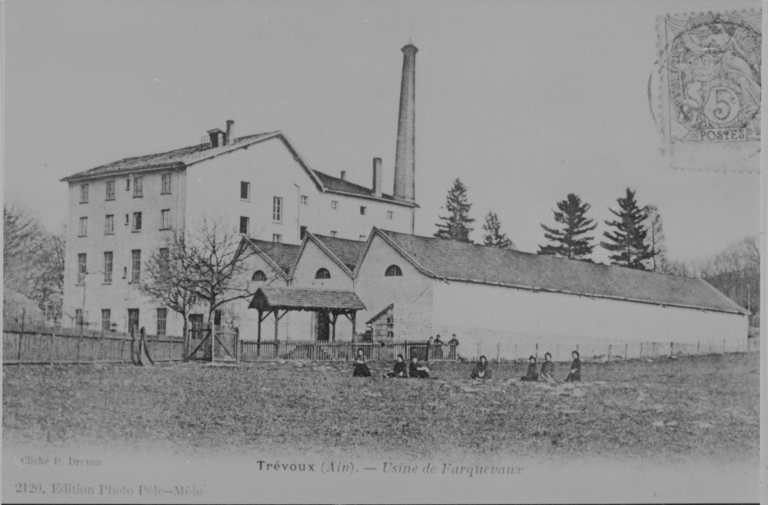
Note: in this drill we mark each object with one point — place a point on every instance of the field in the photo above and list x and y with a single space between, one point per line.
694 407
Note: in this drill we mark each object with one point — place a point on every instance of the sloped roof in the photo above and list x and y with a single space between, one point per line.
177 157
334 184
283 255
458 261
347 251
305 299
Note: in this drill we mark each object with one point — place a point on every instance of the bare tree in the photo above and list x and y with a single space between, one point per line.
657 263
735 271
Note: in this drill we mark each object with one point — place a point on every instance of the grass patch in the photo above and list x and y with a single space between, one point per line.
706 406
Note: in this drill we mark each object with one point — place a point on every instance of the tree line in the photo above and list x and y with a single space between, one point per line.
634 239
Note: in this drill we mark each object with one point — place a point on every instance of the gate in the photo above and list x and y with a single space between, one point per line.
221 344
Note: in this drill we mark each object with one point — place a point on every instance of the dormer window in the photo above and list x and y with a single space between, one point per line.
323 273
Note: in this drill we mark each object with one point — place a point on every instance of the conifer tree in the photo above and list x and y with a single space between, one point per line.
629 237
569 242
455 226
493 236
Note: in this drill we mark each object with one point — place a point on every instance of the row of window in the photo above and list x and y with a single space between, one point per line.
133 319
109 222
138 187
82 266
323 273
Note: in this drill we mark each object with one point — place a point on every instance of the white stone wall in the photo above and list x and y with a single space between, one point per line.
491 319
412 293
347 221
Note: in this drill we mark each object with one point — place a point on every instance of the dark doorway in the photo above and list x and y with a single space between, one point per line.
322 326
133 320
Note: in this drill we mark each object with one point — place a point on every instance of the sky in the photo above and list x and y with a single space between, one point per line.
525 102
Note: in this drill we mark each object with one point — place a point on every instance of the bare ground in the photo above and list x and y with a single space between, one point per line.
694 407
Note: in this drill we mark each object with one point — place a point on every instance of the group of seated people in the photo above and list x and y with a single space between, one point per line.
419 370
547 371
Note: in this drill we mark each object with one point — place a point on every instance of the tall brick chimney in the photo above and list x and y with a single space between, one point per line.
377 177
230 138
405 157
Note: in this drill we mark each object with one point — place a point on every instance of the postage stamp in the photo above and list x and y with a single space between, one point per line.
705 90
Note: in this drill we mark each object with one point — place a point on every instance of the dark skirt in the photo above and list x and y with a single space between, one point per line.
531 375
361 370
574 376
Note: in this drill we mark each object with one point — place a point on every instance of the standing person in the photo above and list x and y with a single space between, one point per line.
400 371
453 343
429 347
481 370
531 375
361 368
547 370
438 353
574 375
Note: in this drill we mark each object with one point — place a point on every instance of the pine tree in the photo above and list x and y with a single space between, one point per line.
571 243
493 236
658 263
629 239
455 225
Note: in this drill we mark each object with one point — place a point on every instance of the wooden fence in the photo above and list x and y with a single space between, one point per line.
341 351
64 346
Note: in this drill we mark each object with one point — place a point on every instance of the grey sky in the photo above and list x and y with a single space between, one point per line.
525 102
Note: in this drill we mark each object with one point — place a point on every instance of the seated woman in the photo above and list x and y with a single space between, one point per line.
547 370
481 370
418 369
361 369
531 375
399 371
574 375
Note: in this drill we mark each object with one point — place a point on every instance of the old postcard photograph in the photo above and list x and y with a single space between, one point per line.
382 252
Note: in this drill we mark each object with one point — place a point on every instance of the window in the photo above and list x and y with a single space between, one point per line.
109 224
323 273
110 190
84 193
79 317
165 219
259 276
83 227
362 210
390 214
135 265
166 184
81 268
106 316
334 204
277 209
393 271
162 317
244 223
128 184
277 238
137 221
108 267
245 190
127 219
304 199
362 238
333 233
138 187
302 232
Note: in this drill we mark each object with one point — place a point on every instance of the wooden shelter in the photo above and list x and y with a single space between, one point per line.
269 300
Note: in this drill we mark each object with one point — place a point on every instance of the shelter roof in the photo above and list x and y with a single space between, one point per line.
451 260
269 298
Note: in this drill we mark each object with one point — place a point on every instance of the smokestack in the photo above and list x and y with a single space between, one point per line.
230 138
343 175
377 177
405 158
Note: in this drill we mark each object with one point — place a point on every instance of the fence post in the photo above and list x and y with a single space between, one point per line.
625 351
21 336
723 346
671 349
641 350
101 345
498 352
610 346
698 347
653 350
537 351
237 345
53 346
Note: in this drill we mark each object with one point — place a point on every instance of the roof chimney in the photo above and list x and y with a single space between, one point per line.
343 175
377 177
405 157
230 138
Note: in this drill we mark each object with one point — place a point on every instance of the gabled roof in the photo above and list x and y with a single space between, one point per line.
347 251
280 256
343 252
455 261
305 299
186 156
